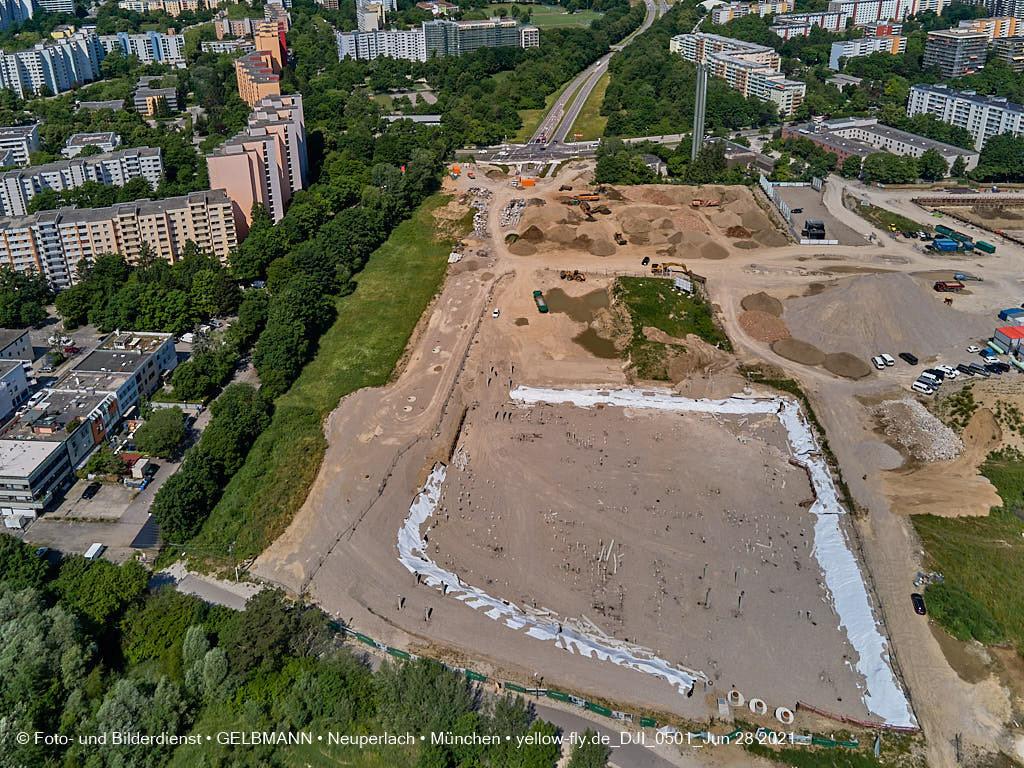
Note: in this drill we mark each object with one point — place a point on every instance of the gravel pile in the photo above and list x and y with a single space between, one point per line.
763 326
917 431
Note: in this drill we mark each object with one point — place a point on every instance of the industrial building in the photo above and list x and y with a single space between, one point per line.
864 46
51 243
105 141
20 141
266 163
41 449
982 116
18 187
956 52
865 136
749 68
439 37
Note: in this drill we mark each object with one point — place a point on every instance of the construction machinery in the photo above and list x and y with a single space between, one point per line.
574 275
674 266
590 197
948 301
538 298
585 208
565 188
619 238
705 203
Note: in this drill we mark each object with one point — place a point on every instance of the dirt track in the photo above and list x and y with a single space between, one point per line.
381 443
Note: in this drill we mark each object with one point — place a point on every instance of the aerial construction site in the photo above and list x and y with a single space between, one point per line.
597 467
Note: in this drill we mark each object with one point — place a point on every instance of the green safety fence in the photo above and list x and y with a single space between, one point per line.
735 734
398 653
599 709
822 742
476 676
557 695
364 639
648 722
514 687
849 744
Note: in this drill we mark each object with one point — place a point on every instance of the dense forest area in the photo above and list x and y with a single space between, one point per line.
90 652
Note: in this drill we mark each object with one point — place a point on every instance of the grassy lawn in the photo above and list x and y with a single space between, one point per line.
531 117
541 16
982 559
653 302
884 219
591 122
360 350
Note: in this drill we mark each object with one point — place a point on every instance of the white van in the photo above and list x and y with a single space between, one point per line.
930 380
94 551
878 362
924 389
889 359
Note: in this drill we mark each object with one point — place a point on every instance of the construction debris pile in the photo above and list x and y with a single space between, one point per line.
480 215
510 213
917 431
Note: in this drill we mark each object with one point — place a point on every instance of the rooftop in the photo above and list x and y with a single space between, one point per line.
87 139
60 165
120 353
10 335
1012 331
143 207
19 458
973 96
48 420
17 131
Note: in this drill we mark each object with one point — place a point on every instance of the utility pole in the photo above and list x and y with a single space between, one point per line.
699 109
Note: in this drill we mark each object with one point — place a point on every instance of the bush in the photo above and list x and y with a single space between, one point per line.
162 433
961 615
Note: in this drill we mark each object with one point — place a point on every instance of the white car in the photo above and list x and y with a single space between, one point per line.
924 389
950 371
889 359
973 349
878 362
496 313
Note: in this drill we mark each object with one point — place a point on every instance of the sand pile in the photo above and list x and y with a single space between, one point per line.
798 351
917 431
522 248
846 365
763 326
726 219
561 234
634 225
666 224
692 355
746 245
771 237
713 251
495 174
601 247
762 302
869 314
532 234
738 232
536 201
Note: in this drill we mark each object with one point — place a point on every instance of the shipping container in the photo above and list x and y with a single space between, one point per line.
944 244
1006 314
529 182
981 245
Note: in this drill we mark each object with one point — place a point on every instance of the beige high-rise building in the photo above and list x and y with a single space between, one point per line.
267 36
256 77
52 243
266 163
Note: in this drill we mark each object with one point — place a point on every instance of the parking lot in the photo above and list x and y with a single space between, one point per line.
809 199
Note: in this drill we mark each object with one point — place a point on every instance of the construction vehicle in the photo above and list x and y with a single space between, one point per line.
948 301
574 275
585 207
619 238
947 286
656 269
591 197
456 171
705 203
670 266
961 276
470 174
542 306
565 188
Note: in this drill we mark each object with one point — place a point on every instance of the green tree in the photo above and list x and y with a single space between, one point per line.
589 752
99 590
932 166
22 298
184 501
19 566
851 166
959 168
1001 160
162 433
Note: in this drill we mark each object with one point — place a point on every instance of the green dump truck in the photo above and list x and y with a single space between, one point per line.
538 297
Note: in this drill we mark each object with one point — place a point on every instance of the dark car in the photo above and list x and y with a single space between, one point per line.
646 261
979 370
918 600
1004 367
796 210
907 357
994 368
940 375
963 368
91 490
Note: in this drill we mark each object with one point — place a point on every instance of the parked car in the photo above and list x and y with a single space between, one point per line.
646 261
47 369
878 362
917 600
980 370
973 349
950 371
964 368
909 358
936 373
889 361
994 368
496 313
90 490
796 210
987 354
922 387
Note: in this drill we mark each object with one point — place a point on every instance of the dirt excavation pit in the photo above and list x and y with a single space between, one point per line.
762 302
798 351
710 573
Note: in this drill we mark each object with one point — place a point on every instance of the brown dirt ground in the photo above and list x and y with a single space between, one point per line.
798 351
763 326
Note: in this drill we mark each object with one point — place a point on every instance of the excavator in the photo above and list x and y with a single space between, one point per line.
574 275
619 238
668 266
585 209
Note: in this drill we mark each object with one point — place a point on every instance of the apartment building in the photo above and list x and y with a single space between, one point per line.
864 46
863 137
147 100
749 68
17 188
438 37
867 11
106 141
800 24
92 106
723 14
982 116
269 38
20 141
227 28
226 46
52 243
1014 8
330 5
170 7
372 14
256 77
149 47
15 344
266 163
1010 50
993 27
42 448
57 66
57 6
956 52
15 12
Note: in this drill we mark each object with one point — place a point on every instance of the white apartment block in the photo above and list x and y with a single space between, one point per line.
19 141
864 46
59 66
57 6
107 141
226 46
749 68
15 12
149 47
866 11
982 116
723 14
800 24
52 243
17 188
408 44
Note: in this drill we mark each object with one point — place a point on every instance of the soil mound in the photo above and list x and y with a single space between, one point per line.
846 365
666 224
870 313
634 225
582 242
713 251
918 432
798 351
746 245
601 247
533 234
738 232
762 302
561 234
771 237
536 201
522 248
495 174
763 326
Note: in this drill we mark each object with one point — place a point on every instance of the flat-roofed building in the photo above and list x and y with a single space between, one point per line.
956 52
1010 51
14 387
256 77
148 99
106 141
864 46
982 116
226 46
20 141
15 344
